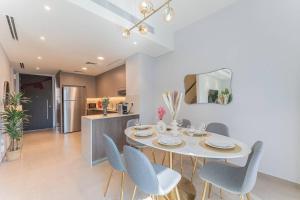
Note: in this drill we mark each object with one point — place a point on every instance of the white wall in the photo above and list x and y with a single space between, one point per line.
260 41
5 75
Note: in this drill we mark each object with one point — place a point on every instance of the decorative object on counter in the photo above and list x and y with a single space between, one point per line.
212 87
173 101
105 102
161 126
14 118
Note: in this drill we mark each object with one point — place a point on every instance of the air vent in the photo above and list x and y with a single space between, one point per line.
12 27
90 63
22 65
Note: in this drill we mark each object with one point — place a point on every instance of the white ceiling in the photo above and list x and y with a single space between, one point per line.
75 33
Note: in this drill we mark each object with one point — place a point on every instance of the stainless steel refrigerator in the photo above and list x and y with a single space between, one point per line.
74 100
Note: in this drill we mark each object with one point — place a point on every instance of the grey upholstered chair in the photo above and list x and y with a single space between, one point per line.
130 142
218 128
115 160
153 179
237 180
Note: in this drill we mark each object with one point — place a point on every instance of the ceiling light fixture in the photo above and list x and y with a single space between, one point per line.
43 38
39 57
46 7
168 13
84 68
100 58
37 68
147 10
135 43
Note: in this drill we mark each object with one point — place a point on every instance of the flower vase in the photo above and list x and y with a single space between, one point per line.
174 126
161 126
104 110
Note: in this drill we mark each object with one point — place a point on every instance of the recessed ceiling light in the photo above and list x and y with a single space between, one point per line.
135 43
46 7
100 58
84 68
37 68
39 57
43 38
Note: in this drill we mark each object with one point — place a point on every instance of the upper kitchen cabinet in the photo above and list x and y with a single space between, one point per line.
110 83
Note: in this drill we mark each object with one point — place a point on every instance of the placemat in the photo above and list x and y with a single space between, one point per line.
154 134
156 143
236 149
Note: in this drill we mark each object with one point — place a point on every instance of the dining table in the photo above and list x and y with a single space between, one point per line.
191 144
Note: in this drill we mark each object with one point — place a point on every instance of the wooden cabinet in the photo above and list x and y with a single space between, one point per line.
110 82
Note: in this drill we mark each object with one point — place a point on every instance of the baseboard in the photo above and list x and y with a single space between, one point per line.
274 178
37 130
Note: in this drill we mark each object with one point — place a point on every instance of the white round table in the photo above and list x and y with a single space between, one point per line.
190 147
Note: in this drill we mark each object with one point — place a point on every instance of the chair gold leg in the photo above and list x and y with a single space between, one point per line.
241 197
181 167
133 194
221 193
192 160
166 197
209 190
204 190
177 193
248 196
164 158
122 186
107 185
153 155
194 169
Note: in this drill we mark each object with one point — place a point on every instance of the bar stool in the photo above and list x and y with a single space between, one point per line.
116 162
155 180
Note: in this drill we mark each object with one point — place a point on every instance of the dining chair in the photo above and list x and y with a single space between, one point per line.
116 162
153 179
220 129
130 142
234 179
214 127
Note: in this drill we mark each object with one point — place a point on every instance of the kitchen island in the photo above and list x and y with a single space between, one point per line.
92 129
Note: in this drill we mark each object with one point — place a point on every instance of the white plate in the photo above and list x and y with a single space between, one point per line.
170 141
220 144
142 127
144 133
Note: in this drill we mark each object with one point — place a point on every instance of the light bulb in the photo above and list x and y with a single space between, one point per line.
126 33
168 13
143 29
146 7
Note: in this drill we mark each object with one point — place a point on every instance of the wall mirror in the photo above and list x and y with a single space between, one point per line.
212 87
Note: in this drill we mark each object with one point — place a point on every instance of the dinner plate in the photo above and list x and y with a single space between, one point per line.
143 133
142 127
220 144
170 141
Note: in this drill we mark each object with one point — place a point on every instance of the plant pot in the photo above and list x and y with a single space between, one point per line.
13 155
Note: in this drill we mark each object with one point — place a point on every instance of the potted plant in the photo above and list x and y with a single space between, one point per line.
14 118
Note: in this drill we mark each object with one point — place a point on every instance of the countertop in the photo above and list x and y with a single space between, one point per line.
109 115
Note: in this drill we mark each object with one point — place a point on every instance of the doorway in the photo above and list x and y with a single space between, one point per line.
40 91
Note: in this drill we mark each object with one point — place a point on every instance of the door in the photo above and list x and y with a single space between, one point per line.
40 107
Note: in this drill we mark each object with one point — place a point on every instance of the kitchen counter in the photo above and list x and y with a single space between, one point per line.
110 115
93 127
